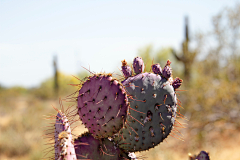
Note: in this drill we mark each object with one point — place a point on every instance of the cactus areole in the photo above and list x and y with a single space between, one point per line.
102 105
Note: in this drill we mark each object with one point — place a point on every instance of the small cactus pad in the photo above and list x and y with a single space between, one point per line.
87 147
167 71
177 82
138 65
156 68
126 69
64 149
102 105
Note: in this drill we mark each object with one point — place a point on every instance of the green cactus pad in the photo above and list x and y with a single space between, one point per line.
153 106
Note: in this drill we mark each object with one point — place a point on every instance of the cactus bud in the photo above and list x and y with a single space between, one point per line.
126 69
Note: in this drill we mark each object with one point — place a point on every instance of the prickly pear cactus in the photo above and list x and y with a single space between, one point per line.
97 149
153 106
134 115
64 148
102 105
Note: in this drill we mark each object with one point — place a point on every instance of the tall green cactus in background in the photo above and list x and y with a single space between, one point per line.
187 57
56 76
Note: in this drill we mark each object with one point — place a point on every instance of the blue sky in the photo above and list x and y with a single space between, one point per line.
91 33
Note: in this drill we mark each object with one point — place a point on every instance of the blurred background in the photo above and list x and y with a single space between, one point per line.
43 43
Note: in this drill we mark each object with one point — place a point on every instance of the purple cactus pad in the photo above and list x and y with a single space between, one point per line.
102 105
87 147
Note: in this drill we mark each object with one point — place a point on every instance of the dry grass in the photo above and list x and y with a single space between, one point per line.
224 146
21 122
